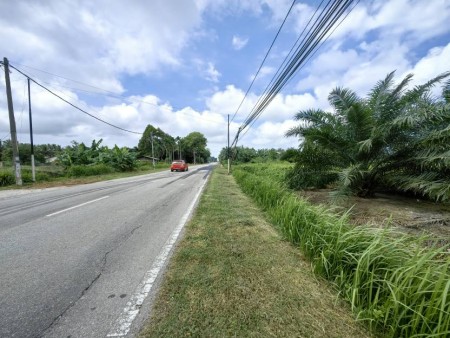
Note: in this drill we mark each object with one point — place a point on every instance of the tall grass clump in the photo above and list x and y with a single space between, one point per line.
88 170
7 177
393 282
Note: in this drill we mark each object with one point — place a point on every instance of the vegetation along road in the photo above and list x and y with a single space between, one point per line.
79 261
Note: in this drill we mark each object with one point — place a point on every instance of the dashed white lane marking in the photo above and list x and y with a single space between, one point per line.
76 206
122 325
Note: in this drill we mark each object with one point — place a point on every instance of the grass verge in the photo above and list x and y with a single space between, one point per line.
394 282
58 177
233 276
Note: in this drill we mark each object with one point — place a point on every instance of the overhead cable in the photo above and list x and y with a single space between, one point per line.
264 60
322 25
74 106
108 93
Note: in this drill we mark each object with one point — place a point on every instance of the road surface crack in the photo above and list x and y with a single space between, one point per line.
123 240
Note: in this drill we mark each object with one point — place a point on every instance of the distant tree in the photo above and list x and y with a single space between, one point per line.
245 155
164 145
194 148
289 155
41 152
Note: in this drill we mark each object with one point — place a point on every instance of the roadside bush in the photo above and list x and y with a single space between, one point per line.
27 176
7 178
391 280
88 170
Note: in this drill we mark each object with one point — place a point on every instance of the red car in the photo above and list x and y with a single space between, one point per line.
179 165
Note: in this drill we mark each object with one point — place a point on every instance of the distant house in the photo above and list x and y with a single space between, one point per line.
147 158
51 159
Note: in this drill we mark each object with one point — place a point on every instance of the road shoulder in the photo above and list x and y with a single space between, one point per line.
232 275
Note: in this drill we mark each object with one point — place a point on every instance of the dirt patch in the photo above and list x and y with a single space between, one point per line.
407 214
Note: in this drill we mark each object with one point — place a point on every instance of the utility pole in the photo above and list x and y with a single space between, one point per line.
153 152
228 147
33 170
12 124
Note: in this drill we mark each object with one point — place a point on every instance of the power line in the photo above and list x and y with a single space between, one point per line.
108 93
65 78
311 56
288 58
323 23
74 106
265 57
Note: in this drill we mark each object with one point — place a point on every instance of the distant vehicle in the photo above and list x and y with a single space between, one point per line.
179 165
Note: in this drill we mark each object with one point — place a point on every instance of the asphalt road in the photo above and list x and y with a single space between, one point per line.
83 261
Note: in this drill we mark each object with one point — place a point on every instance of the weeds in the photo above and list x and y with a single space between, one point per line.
391 281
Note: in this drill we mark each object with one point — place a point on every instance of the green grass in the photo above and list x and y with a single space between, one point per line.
53 175
233 276
392 281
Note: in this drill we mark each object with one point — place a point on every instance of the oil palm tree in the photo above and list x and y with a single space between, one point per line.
396 139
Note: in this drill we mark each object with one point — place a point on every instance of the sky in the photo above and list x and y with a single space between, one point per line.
184 65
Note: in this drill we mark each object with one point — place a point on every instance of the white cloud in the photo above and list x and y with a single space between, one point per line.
264 72
270 135
238 42
411 19
212 74
433 64
97 43
227 101
206 70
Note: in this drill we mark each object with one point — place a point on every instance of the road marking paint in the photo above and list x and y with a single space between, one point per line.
76 206
122 324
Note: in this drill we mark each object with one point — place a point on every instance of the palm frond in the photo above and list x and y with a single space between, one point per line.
310 115
446 92
426 184
342 99
366 145
294 131
382 87
417 92
401 86
360 122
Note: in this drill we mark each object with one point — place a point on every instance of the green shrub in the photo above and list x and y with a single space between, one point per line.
391 280
27 176
88 170
7 178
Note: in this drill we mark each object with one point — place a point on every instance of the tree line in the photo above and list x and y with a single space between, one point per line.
166 148
243 154
192 148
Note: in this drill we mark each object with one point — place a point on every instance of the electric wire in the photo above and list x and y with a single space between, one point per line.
309 58
328 17
264 60
280 70
324 41
288 58
65 78
74 106
108 93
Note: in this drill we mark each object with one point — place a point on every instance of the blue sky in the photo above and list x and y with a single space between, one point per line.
183 65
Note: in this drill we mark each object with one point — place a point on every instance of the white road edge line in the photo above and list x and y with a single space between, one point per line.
76 206
122 325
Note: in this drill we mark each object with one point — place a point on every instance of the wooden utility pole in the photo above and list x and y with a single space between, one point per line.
12 124
33 170
153 151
